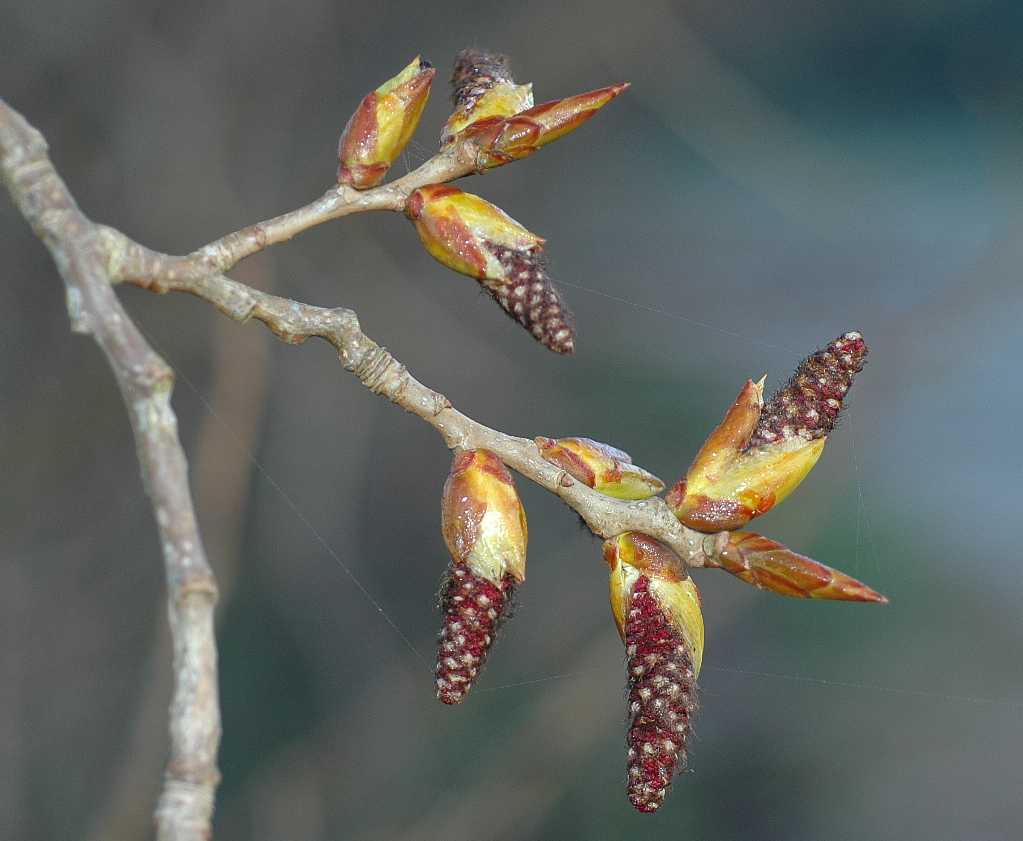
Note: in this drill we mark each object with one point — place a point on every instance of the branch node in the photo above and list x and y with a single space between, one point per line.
155 379
382 374
115 246
32 165
714 544
440 403
259 235
196 583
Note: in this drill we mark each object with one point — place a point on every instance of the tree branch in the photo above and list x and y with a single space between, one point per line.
454 161
294 322
145 381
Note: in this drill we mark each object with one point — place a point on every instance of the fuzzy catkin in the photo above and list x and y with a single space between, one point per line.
526 293
475 72
662 699
807 406
472 609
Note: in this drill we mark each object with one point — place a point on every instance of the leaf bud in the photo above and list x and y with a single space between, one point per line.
382 126
769 565
602 467
471 236
500 140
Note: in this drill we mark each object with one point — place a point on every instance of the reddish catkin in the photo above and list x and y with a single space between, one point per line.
662 699
475 72
807 406
473 609
527 294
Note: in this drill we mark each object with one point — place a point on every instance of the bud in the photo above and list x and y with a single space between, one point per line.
728 484
500 140
483 87
471 236
759 454
657 610
382 126
600 466
769 565
484 527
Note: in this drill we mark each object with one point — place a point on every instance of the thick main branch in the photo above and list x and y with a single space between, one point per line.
145 380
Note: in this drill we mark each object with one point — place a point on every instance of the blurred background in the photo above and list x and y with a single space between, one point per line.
779 173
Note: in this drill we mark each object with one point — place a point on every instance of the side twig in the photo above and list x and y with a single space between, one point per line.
145 380
222 254
294 322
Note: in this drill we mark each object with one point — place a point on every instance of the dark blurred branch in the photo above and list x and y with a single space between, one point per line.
145 380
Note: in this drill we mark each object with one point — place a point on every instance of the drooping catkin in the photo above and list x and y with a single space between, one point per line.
472 609
662 699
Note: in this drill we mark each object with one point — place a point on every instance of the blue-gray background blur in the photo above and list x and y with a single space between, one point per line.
779 173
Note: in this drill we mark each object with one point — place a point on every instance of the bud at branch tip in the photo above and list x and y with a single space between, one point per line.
382 126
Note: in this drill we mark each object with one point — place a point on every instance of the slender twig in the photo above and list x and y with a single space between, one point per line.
222 254
145 380
294 322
